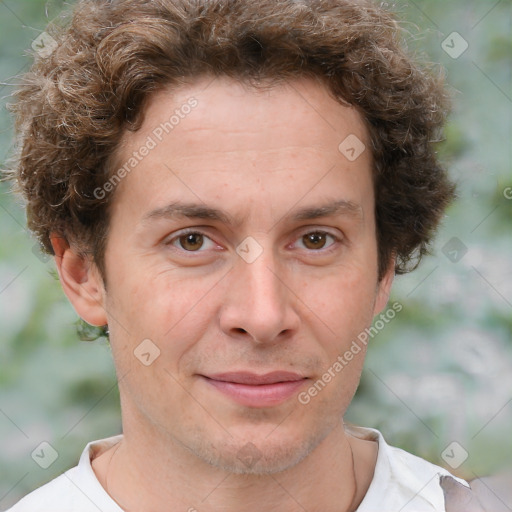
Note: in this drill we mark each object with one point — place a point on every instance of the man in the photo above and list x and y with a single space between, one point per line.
229 187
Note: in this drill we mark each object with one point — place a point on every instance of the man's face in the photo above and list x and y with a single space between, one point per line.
220 254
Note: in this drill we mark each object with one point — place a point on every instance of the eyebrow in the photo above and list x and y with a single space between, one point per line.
189 210
179 209
339 207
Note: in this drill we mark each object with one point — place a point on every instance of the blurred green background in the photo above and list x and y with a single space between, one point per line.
439 372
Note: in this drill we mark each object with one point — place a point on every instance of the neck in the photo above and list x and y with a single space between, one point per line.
144 475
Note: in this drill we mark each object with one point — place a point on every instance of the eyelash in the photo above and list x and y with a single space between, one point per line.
192 231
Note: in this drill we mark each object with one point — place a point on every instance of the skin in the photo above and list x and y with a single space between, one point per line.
259 156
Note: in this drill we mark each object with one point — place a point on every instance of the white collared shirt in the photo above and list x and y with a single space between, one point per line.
401 482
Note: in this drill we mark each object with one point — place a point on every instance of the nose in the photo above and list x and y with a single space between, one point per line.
259 304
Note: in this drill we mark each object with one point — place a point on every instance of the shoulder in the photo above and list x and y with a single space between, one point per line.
76 490
58 495
419 478
401 480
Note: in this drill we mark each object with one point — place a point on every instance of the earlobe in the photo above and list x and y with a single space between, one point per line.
384 288
81 282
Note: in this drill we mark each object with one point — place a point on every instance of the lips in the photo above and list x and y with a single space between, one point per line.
256 380
253 390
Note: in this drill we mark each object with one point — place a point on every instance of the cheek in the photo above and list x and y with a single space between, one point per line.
343 299
170 311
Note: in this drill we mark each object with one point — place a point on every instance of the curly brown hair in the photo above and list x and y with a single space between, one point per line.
75 104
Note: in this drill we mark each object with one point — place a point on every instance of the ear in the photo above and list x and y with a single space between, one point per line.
81 282
384 288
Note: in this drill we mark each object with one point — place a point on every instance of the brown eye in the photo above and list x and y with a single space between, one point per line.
191 241
315 240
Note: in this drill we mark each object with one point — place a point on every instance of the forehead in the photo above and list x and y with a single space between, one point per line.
223 132
303 109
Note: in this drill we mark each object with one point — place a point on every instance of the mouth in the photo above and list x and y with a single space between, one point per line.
253 390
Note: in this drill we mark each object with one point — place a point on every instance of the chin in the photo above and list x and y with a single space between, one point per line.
260 455
249 459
